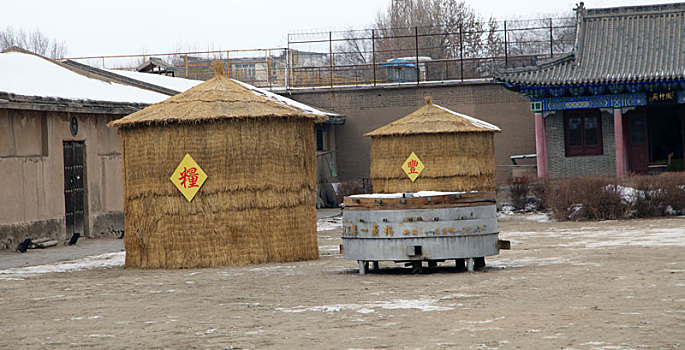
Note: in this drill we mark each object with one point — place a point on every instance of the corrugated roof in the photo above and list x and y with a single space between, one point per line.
613 45
434 119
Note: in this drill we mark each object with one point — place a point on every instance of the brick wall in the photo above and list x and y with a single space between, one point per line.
369 108
562 166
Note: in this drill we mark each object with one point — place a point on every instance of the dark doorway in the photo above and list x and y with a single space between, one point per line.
74 192
638 142
666 137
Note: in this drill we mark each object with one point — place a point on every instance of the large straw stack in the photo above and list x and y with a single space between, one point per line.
258 203
458 152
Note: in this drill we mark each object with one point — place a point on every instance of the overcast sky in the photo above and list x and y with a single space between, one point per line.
94 27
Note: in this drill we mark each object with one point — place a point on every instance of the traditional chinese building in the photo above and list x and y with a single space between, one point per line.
433 149
60 166
615 105
258 201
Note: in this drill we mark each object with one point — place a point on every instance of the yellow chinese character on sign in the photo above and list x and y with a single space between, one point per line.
413 166
188 177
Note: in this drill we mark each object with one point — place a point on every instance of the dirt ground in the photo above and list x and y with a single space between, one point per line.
588 285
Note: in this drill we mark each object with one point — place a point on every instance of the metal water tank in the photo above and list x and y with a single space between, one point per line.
422 226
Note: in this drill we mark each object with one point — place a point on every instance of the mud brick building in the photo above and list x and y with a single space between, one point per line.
60 166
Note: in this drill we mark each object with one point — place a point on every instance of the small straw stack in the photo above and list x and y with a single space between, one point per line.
457 150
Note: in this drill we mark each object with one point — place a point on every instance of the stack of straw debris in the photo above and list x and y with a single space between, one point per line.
457 150
258 203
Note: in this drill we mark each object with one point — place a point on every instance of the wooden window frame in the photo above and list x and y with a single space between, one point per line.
583 149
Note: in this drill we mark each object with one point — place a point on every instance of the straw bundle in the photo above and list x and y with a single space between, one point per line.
453 162
217 98
258 203
458 152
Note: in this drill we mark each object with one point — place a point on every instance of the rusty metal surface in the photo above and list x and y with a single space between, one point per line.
446 233
437 248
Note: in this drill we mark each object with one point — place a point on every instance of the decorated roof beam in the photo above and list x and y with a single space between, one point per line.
633 52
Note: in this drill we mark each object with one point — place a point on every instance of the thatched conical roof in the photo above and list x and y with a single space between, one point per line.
216 99
434 119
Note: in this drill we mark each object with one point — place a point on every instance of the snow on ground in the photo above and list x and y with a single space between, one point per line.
628 194
604 235
595 235
423 304
91 262
117 259
329 223
505 210
30 75
504 214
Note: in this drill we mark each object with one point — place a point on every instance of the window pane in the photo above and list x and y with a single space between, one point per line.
638 130
574 132
591 131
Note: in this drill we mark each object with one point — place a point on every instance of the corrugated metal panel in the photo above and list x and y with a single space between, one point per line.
639 43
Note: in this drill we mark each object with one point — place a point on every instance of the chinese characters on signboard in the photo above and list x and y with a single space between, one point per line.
662 97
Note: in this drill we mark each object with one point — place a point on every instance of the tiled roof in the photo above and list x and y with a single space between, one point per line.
614 45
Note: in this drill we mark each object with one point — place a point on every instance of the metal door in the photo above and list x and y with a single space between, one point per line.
638 140
74 194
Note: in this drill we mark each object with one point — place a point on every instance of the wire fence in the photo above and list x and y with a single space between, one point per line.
369 57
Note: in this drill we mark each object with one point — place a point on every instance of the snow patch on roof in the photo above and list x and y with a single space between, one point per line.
284 100
173 83
182 84
474 121
407 195
30 75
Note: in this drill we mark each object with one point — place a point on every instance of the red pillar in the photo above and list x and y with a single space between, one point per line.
541 145
621 161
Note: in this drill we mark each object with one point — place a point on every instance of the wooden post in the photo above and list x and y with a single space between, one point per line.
621 159
541 145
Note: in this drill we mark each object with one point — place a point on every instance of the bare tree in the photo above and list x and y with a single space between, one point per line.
445 29
530 40
34 41
356 48
455 37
